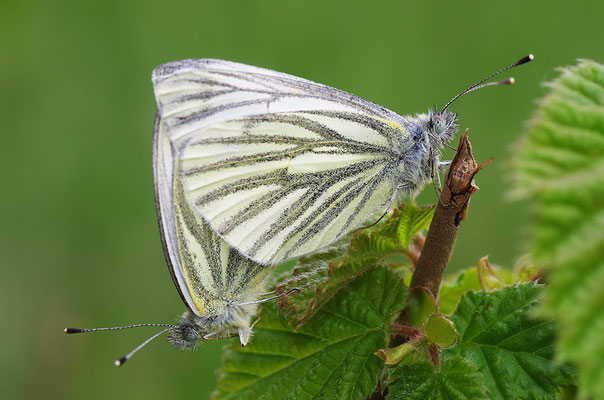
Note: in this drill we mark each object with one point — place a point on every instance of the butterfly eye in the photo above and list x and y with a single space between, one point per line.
189 334
184 337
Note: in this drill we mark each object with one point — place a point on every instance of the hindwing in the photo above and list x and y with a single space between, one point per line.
207 272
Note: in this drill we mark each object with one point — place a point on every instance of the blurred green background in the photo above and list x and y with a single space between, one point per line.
78 236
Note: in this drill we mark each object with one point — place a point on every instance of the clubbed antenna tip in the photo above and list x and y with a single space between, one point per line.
120 362
526 59
482 84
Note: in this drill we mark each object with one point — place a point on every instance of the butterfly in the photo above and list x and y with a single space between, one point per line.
280 166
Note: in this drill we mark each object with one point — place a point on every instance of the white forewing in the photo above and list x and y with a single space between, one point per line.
279 166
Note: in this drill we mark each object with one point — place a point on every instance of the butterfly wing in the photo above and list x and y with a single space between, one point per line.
278 166
205 270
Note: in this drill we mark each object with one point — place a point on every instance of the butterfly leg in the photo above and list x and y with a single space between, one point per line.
434 173
268 299
274 291
443 165
208 336
396 189
218 336
437 187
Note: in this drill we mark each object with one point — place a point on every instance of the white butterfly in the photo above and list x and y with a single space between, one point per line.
280 166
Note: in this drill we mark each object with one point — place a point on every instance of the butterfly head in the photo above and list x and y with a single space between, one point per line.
193 328
185 336
441 126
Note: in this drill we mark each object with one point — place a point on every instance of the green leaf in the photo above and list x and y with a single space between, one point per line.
441 331
322 275
310 274
331 356
411 220
420 305
457 378
396 354
454 288
482 277
560 167
487 276
512 350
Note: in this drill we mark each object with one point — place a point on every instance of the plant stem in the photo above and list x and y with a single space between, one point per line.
451 209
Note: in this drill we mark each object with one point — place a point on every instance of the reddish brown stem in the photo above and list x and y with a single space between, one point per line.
405 330
451 209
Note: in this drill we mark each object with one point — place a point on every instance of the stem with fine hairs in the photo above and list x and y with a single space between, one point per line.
451 209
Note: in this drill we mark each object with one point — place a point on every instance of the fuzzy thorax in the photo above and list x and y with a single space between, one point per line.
420 150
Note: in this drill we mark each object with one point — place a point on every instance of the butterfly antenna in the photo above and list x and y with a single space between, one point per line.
122 360
479 85
114 328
